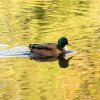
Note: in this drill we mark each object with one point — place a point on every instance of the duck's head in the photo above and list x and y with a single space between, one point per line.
62 42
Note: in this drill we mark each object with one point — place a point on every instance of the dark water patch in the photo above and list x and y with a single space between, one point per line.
39 13
43 98
81 8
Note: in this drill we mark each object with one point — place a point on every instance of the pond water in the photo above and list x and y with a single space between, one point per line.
23 22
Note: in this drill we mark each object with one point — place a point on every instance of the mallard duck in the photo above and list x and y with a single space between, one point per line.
49 49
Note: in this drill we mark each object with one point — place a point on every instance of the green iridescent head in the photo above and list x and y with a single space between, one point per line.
62 42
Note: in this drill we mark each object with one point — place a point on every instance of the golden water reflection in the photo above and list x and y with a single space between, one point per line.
37 21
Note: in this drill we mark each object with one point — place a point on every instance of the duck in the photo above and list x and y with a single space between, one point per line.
49 49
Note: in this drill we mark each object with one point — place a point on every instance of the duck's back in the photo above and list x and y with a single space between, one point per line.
44 50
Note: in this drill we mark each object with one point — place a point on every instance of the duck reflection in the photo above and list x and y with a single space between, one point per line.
62 61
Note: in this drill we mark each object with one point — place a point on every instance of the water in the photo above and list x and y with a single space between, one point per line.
19 51
24 52
41 21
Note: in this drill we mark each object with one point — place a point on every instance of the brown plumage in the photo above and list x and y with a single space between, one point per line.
48 49
45 50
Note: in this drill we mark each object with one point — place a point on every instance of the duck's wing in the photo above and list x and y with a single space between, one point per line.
49 46
44 50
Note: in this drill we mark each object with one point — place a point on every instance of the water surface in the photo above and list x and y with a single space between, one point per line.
41 21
